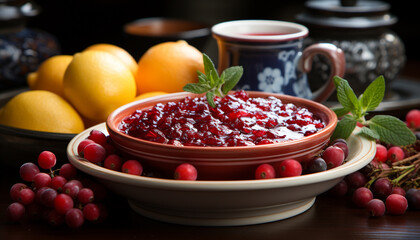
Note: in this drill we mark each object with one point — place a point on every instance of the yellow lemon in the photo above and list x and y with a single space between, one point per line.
96 83
117 51
168 67
41 110
49 75
149 94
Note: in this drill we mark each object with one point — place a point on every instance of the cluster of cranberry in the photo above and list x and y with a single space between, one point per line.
388 184
332 156
58 196
97 148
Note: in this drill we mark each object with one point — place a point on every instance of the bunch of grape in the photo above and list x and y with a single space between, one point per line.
389 183
333 155
58 196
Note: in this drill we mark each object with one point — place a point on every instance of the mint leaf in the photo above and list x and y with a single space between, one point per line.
347 97
211 83
373 95
208 65
344 127
202 78
210 99
340 111
196 88
232 77
368 133
392 130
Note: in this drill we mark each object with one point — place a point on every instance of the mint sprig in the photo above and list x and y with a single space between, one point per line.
212 84
354 110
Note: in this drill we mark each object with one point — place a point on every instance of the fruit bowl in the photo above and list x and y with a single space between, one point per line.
222 203
219 163
18 146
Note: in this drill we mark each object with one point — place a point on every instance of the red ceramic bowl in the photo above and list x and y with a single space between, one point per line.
219 163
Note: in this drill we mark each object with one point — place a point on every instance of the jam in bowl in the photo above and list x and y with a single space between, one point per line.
228 142
237 120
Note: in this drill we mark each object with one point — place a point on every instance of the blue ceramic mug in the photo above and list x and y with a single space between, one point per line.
272 55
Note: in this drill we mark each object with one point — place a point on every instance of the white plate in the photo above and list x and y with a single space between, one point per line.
222 203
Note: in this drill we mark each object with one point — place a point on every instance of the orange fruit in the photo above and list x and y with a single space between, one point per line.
41 110
96 83
168 67
117 51
149 94
49 75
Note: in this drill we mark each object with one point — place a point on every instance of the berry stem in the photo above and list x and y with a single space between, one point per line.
408 159
395 181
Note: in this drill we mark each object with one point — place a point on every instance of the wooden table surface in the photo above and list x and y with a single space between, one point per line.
329 218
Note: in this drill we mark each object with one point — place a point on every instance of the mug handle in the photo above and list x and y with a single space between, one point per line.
338 66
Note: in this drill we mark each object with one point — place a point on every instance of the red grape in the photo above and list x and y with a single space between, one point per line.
133 167
94 153
381 154
63 203
290 168
28 171
58 182
15 212
376 207
382 188
341 143
74 218
82 145
265 171
41 180
47 197
15 189
91 212
85 196
396 204
98 137
395 154
72 188
413 118
26 196
46 160
316 165
362 196
185 171
113 162
398 190
333 156
68 171
413 198
356 180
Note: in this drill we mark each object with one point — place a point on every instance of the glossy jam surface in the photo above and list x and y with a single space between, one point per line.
237 120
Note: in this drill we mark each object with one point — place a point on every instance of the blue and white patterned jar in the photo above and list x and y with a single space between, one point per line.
22 49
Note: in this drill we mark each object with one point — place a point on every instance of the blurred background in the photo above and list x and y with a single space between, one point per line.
80 23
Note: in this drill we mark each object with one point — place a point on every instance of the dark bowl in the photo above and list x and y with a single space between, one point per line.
141 34
18 146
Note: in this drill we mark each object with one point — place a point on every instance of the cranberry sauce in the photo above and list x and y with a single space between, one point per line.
237 120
